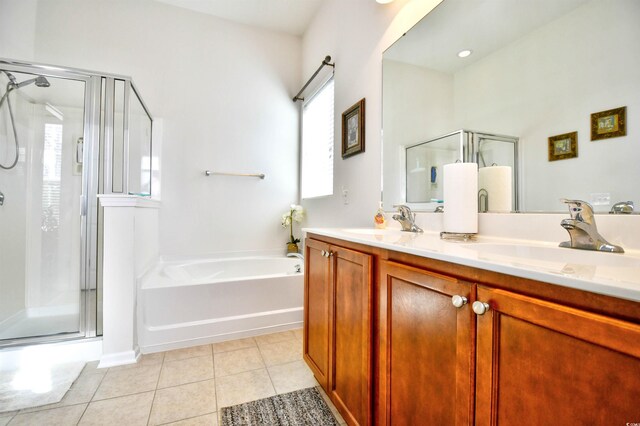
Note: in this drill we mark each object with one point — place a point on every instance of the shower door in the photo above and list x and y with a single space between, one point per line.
44 281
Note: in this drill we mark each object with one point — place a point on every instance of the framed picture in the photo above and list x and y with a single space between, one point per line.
563 146
353 130
609 124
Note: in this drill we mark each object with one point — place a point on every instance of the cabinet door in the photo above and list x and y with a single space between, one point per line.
425 348
317 292
351 311
540 363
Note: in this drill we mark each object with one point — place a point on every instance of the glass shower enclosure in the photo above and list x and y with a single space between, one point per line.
66 135
424 162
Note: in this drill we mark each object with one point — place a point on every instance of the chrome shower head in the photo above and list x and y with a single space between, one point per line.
40 81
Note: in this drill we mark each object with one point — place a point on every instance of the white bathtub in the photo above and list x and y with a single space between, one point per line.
186 303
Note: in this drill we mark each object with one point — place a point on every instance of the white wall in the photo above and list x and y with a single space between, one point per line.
355 33
17 28
224 93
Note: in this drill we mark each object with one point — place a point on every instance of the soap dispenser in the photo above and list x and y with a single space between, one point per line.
379 219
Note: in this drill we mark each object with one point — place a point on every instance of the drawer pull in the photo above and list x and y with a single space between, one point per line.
458 301
480 308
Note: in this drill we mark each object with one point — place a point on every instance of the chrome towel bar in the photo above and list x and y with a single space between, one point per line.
258 175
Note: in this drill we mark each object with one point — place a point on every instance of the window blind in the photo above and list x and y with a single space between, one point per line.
317 143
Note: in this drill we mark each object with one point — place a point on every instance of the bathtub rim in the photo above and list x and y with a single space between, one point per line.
153 279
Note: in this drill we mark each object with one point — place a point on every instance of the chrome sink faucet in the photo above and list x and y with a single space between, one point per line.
582 229
407 219
623 207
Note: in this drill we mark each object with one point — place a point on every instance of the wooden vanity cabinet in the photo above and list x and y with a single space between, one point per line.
531 353
543 363
338 306
317 295
426 347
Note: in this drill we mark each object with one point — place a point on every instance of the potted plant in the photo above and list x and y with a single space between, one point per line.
295 214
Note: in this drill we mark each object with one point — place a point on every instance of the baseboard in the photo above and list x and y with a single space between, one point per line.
119 358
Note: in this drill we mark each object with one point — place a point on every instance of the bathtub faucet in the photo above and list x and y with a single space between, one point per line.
298 255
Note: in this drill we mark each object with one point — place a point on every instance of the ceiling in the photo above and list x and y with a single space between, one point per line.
288 16
483 26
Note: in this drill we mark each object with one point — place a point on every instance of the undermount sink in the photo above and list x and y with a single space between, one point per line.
370 231
557 254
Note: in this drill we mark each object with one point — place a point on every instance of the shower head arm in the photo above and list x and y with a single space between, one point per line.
40 81
24 83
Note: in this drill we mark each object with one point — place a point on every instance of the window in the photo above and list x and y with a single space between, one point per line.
51 175
317 143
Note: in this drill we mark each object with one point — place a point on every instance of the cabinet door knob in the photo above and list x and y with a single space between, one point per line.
458 301
480 308
326 253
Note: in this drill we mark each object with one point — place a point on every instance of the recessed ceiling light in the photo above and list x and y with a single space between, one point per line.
384 1
464 53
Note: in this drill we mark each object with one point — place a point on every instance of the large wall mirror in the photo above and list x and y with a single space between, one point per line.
537 70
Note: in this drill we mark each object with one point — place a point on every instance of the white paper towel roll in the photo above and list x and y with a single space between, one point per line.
497 181
460 198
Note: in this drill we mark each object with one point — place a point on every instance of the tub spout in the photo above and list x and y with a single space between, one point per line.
298 255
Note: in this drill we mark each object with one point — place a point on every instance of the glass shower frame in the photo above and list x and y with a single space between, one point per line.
467 144
97 178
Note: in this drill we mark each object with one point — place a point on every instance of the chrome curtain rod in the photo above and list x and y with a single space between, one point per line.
258 175
327 61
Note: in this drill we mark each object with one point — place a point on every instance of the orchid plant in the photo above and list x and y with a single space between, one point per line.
295 214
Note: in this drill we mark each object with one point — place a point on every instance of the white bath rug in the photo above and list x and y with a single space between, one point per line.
39 384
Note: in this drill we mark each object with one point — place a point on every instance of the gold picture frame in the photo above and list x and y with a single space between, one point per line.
353 130
563 146
609 124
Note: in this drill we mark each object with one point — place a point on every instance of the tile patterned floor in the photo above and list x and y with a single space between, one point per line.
180 387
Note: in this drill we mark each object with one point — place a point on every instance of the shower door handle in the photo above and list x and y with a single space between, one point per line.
83 205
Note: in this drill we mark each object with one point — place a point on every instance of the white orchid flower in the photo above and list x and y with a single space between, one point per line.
295 214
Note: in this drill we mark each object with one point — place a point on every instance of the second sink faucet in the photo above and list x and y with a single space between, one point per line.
407 219
623 207
582 229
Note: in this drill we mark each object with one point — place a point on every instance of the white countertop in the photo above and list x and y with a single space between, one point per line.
610 274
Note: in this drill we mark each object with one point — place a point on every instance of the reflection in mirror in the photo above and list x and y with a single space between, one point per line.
538 69
496 158
424 168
